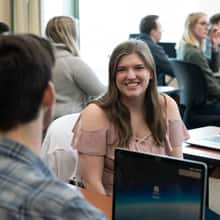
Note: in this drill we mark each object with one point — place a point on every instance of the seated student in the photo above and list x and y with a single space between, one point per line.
150 33
212 40
75 82
131 115
191 49
28 188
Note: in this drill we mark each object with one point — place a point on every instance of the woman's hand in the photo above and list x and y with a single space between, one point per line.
214 36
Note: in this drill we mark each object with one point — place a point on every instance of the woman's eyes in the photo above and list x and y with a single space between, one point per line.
123 69
139 67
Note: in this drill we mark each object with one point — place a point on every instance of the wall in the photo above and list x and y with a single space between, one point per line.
103 24
5 11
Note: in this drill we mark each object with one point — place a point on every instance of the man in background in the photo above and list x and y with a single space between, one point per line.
213 41
28 188
150 32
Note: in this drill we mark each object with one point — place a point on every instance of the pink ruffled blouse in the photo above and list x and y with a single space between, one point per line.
99 143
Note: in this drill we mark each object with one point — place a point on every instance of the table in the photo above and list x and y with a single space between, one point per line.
100 201
209 156
168 89
212 158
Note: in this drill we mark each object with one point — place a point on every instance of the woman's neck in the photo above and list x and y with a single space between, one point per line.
134 104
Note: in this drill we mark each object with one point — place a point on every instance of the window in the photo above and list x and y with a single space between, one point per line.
104 24
51 8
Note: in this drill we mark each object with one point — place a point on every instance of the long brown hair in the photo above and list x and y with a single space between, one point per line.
117 112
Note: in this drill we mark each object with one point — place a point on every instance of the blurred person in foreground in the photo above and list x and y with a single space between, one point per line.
28 188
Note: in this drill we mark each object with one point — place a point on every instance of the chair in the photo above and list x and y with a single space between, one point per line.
193 95
57 150
171 91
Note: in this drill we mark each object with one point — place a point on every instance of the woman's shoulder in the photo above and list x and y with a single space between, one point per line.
78 60
192 49
170 107
94 117
93 109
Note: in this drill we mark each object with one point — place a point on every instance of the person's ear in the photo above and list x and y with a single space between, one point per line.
152 32
49 96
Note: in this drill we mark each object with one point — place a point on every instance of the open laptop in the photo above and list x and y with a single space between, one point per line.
152 187
169 48
205 137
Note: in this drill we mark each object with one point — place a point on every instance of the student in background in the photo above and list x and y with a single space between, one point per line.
214 29
150 32
132 115
28 188
191 49
75 82
4 28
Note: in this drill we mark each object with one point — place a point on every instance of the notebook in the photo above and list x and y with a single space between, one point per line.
205 137
152 187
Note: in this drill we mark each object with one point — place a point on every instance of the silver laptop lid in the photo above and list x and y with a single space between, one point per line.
208 137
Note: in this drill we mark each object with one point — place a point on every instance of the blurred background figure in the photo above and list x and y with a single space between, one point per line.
214 33
75 82
191 50
150 32
4 28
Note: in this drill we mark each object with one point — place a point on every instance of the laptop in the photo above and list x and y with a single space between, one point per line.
153 187
208 136
169 48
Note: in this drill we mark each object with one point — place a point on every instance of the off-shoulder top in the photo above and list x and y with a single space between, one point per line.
99 143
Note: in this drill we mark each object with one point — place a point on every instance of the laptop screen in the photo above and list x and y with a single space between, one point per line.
153 187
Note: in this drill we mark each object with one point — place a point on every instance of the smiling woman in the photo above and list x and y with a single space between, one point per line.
132 77
131 115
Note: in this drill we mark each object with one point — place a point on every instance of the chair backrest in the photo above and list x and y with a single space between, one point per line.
193 88
192 83
56 148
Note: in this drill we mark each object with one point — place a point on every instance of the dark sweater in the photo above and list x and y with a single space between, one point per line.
192 54
163 65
